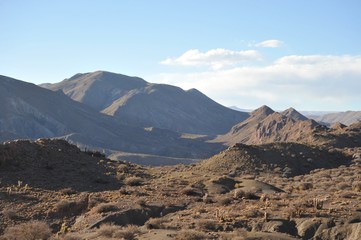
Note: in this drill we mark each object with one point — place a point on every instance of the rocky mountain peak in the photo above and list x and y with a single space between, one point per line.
294 114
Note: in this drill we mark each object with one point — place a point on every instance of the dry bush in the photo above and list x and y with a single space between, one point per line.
33 230
207 225
123 191
107 230
133 181
191 235
189 191
95 200
239 193
110 231
106 207
127 233
224 200
73 207
305 186
155 223
343 186
70 236
356 186
10 214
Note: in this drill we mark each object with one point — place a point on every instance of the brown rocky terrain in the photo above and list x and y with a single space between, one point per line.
50 189
267 126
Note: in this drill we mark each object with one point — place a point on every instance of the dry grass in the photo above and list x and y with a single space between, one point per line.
106 207
133 181
33 230
191 235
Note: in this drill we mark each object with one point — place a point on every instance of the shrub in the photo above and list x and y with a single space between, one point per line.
207 225
155 223
356 186
10 214
107 230
224 200
71 207
133 181
127 233
106 207
239 193
305 186
191 235
189 191
33 230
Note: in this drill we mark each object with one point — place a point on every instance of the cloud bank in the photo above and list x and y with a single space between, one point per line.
308 82
215 58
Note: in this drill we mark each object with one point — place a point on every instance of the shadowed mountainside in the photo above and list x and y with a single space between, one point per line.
29 111
144 104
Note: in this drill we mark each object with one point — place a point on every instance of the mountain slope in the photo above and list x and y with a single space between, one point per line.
144 104
97 89
292 113
346 118
29 111
265 126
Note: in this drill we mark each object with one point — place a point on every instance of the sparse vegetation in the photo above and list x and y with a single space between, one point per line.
33 230
206 204
106 207
133 181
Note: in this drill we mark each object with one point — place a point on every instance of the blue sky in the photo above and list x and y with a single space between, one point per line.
305 54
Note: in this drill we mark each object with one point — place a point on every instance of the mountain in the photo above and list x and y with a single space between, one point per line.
292 113
346 118
97 89
144 104
29 111
265 125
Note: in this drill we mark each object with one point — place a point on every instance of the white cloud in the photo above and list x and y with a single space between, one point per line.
269 44
312 82
216 58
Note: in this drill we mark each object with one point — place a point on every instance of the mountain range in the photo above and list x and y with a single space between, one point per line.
154 124
30 111
137 102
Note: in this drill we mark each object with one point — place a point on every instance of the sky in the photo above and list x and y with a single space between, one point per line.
281 53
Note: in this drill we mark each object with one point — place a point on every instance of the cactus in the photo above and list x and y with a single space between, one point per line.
317 203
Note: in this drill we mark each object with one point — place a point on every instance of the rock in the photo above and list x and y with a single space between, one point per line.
345 232
307 227
280 226
136 216
356 218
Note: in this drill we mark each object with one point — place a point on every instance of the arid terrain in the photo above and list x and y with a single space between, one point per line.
217 173
50 189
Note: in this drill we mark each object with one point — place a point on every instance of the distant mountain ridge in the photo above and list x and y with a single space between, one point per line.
29 112
265 125
137 102
346 118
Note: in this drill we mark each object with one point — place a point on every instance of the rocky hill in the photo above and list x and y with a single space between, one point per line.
265 125
144 104
285 159
294 114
